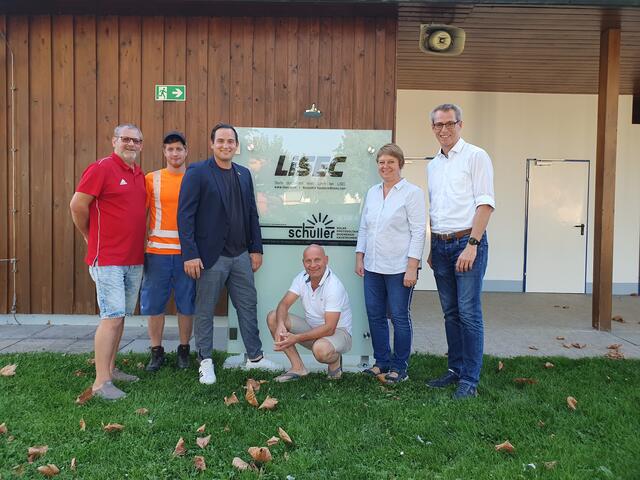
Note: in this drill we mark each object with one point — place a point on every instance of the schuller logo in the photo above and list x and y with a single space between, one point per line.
318 227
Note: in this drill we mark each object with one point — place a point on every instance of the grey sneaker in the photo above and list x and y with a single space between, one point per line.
120 376
108 391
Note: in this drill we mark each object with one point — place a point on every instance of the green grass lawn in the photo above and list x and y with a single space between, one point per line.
351 429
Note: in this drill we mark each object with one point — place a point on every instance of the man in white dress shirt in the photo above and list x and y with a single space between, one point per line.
461 200
326 326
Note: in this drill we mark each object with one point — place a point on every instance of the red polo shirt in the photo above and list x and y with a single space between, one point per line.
117 216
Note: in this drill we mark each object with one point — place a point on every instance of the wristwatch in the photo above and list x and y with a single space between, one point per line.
473 241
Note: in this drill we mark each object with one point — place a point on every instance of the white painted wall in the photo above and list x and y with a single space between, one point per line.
512 127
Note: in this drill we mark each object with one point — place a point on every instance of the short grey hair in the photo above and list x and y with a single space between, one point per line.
445 107
123 126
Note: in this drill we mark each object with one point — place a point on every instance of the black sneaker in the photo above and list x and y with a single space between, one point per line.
447 379
183 356
465 390
157 359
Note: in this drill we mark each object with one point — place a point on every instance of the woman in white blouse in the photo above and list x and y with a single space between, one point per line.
390 243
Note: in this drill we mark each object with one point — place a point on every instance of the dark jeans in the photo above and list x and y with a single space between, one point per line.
460 297
382 292
236 274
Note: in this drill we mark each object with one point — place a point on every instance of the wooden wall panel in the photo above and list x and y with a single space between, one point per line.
63 162
85 139
152 74
5 171
19 37
79 76
40 163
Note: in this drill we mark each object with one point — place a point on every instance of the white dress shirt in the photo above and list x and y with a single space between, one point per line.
330 296
392 229
458 184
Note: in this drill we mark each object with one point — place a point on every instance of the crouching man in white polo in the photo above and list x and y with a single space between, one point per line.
326 326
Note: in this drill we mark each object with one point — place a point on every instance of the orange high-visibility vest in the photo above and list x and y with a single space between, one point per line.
163 188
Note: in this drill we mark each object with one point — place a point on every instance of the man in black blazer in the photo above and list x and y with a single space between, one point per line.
221 245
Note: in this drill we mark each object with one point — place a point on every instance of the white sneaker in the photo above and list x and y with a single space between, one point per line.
207 372
263 364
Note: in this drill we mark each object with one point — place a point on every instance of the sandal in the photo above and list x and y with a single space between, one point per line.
288 377
375 370
394 377
335 374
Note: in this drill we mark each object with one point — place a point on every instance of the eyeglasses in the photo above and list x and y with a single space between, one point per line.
136 141
439 126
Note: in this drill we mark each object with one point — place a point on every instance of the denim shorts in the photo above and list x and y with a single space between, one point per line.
163 273
117 289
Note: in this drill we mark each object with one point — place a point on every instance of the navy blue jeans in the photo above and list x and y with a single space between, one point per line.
382 294
460 297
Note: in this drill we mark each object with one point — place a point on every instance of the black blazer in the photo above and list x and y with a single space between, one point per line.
203 223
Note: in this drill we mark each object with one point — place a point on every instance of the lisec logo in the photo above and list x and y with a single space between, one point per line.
314 228
310 166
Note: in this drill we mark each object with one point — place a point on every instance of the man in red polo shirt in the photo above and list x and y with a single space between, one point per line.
108 209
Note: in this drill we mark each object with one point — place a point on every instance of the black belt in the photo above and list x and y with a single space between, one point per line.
448 237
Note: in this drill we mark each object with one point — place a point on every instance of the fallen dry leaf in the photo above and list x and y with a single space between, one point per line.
549 365
260 454
614 346
550 465
578 345
566 345
79 373
500 366
522 381
201 428
382 378
91 361
18 470
272 441
180 448
140 366
10 438
255 384
284 436
240 464
85 396
541 423
618 318
49 470
126 361
559 337
36 452
8 370
505 447
199 463
203 441
113 427
533 347
142 411
615 355
572 403
226 428
250 396
74 464
83 425
231 400
269 403
3 429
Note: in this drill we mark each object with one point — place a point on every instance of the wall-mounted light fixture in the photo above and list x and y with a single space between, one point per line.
312 112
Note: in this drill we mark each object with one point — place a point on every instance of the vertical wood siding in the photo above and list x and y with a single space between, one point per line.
79 76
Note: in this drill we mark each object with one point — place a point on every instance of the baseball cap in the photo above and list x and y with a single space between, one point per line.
173 136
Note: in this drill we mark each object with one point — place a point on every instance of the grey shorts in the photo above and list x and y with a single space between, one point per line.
117 289
341 340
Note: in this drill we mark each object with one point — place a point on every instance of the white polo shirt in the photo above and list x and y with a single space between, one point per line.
458 184
330 296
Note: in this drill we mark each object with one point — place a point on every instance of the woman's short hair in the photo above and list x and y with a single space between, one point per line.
392 150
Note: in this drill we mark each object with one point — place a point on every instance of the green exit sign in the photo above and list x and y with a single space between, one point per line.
171 93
